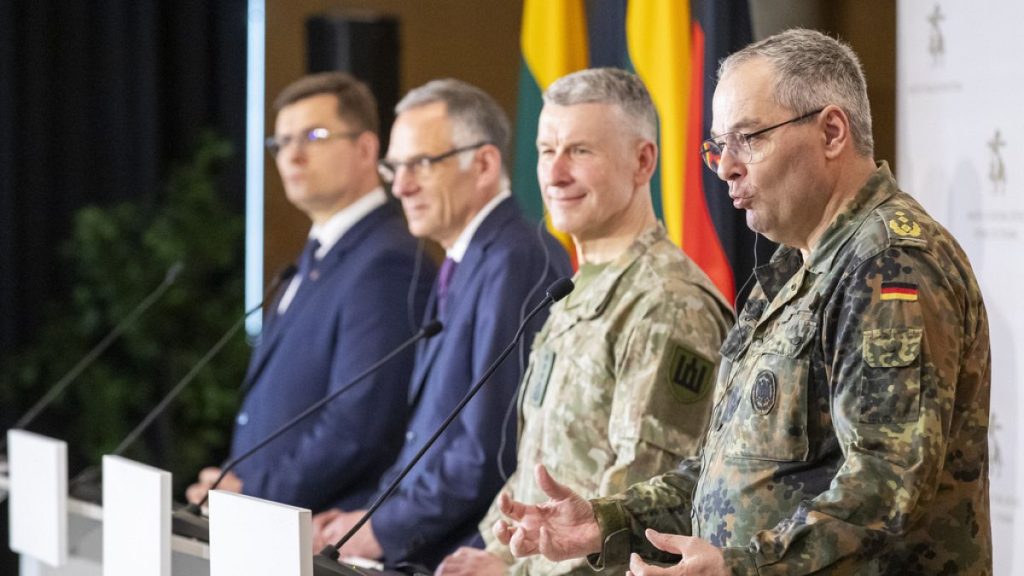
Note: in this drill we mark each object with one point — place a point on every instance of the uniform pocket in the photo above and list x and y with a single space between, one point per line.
770 422
891 381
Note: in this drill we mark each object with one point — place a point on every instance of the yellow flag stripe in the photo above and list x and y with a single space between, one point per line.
658 34
554 43
899 296
554 38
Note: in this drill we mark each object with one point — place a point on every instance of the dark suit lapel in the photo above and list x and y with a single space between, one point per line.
272 326
465 274
426 351
330 264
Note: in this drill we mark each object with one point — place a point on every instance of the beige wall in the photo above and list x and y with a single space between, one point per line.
478 41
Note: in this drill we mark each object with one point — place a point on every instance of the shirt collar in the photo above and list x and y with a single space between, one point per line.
458 249
880 186
335 227
605 282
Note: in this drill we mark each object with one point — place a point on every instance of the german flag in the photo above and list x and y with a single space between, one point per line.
674 46
899 291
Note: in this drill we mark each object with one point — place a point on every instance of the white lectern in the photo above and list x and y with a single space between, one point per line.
83 522
39 496
136 519
258 538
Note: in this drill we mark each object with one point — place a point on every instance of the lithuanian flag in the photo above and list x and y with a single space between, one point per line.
553 43
674 46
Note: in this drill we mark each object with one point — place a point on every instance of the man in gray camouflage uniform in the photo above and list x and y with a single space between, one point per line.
619 386
849 434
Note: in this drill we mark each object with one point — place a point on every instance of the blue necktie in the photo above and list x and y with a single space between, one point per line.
308 261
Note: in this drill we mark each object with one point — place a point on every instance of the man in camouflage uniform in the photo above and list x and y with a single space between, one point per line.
620 377
849 434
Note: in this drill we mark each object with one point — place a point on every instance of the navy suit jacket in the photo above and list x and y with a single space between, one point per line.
353 314
503 274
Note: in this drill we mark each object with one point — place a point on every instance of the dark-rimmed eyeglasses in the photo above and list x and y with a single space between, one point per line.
275 144
740 145
419 166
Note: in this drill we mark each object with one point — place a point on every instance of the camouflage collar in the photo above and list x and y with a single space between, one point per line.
606 282
880 186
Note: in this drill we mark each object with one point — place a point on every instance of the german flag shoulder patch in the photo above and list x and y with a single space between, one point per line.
905 291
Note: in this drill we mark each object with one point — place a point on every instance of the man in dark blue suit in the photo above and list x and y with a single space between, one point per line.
447 163
348 306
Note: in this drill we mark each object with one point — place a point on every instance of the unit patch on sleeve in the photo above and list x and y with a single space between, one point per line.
690 375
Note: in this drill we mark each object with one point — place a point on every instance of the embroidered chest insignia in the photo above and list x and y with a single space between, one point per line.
903 226
762 395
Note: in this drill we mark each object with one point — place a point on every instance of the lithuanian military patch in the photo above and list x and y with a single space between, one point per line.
762 394
899 291
901 225
690 375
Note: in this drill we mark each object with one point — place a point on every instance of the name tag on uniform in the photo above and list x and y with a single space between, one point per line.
541 374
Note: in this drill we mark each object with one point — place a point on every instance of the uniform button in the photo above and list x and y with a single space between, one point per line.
409 436
243 418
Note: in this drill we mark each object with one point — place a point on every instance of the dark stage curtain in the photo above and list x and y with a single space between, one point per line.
97 99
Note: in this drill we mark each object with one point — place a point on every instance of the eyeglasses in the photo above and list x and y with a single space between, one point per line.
742 146
419 166
275 144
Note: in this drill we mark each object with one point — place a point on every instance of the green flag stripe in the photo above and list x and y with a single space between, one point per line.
524 175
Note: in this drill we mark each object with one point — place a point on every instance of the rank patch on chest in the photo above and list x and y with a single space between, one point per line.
905 291
690 375
762 395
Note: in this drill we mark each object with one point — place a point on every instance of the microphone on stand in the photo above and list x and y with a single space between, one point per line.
326 562
57 389
190 522
85 485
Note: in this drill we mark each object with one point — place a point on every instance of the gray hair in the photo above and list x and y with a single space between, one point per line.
474 115
813 70
608 86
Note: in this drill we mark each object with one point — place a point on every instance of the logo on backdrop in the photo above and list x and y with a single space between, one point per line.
996 166
936 41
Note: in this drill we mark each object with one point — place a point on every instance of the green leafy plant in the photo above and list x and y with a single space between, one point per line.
117 255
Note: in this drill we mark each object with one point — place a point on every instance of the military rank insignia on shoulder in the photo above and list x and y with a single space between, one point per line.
690 374
901 225
903 229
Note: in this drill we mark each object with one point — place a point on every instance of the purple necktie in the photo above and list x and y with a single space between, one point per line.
444 280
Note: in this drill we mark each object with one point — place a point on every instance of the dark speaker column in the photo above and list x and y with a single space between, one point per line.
364 45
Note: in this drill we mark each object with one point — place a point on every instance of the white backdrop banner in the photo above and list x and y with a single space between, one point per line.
960 142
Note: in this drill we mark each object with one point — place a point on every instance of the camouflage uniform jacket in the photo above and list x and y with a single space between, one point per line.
619 384
849 434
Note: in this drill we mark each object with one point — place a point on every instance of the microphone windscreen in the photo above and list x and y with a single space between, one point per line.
432 328
560 289
173 271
